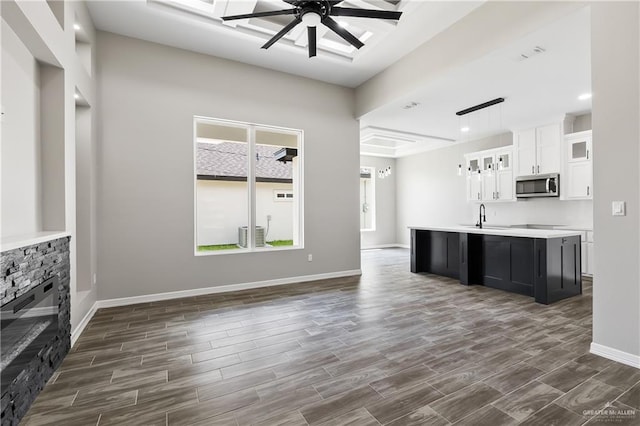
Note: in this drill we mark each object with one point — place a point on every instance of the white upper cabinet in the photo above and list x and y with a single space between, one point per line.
538 150
548 143
504 175
474 177
578 167
525 143
490 175
578 146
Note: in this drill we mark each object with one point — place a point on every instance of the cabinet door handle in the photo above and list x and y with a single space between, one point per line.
587 189
533 170
538 168
587 154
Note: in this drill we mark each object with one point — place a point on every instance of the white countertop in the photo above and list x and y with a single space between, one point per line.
507 232
17 241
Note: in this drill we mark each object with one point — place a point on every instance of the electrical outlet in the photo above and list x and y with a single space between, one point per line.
310 257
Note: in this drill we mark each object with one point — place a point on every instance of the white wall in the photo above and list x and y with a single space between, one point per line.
21 177
429 192
615 70
487 28
385 204
149 95
222 207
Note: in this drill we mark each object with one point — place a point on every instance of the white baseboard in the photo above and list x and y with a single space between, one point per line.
380 246
615 355
83 324
123 301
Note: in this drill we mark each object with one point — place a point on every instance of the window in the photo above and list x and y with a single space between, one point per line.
282 195
248 187
367 199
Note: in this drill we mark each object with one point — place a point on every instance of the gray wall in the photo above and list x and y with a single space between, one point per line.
429 192
385 233
615 53
148 96
21 177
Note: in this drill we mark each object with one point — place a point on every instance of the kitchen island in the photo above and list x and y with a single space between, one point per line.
541 263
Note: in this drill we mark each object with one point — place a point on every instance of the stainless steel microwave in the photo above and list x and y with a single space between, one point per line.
538 186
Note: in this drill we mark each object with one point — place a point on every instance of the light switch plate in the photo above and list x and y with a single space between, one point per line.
618 208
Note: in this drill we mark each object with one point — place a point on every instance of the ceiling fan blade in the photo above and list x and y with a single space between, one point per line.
333 26
365 13
282 32
311 33
260 14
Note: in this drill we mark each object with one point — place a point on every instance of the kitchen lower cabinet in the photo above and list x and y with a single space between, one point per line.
508 264
438 253
548 269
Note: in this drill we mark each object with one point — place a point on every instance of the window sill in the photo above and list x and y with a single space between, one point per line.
246 251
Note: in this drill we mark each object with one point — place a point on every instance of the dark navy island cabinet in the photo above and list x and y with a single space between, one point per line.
548 269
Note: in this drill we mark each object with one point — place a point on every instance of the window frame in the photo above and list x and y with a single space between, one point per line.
251 185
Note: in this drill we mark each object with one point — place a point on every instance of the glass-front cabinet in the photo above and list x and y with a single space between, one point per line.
579 146
490 175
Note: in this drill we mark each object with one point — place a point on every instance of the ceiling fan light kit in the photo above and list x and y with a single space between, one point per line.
313 13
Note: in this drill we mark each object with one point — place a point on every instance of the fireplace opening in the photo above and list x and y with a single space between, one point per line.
27 324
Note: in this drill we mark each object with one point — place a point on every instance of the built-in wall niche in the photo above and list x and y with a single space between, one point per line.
83 44
52 126
85 197
57 7
33 196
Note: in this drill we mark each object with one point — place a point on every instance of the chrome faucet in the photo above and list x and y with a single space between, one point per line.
483 216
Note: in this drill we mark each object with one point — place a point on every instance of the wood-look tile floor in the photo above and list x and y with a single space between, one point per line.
390 347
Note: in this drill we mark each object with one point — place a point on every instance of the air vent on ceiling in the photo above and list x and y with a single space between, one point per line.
411 105
529 53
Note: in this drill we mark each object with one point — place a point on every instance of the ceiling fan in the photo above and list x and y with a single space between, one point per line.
313 13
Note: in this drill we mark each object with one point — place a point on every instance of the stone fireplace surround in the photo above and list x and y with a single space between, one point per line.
22 269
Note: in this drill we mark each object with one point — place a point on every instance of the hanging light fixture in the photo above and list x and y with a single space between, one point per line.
383 173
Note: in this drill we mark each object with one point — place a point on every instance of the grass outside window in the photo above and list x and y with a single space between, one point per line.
217 247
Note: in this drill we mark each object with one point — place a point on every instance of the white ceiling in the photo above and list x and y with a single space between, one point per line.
537 90
196 25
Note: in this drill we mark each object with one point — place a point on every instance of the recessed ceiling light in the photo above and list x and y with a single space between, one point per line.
584 96
464 129
343 24
77 27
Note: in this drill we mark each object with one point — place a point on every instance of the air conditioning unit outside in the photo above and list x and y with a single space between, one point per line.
242 236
